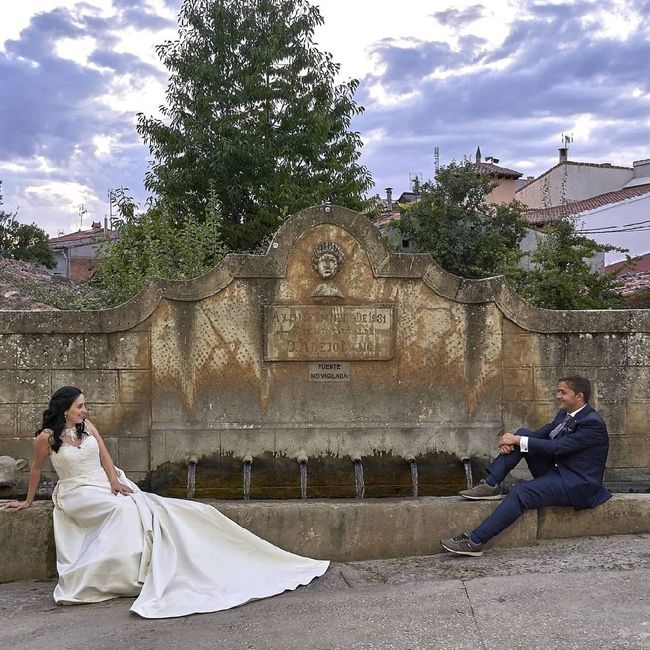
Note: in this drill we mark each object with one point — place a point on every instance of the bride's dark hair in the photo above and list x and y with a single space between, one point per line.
54 415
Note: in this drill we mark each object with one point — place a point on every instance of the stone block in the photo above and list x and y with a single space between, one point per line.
623 514
27 538
638 349
638 417
607 350
50 351
519 351
530 415
631 383
121 419
134 386
629 451
134 454
517 384
30 418
614 415
8 351
8 420
98 386
21 386
117 350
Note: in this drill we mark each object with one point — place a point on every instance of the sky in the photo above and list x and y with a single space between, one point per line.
509 76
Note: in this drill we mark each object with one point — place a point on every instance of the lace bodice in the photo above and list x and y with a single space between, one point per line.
72 462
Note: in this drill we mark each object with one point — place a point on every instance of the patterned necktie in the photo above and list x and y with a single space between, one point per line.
559 427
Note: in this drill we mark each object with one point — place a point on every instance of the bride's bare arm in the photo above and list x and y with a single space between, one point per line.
41 451
107 462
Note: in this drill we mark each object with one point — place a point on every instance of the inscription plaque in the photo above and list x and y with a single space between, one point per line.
328 332
329 371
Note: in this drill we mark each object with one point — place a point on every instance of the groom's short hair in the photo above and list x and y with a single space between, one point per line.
578 384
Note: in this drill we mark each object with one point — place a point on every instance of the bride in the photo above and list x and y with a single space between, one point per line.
179 557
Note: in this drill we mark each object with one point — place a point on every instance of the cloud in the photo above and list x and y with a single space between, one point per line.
557 64
459 18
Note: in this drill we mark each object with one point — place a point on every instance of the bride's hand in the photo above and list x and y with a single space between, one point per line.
120 488
15 506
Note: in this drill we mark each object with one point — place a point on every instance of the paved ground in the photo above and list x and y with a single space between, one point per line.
564 594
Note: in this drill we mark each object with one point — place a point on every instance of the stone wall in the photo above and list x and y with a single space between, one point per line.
429 367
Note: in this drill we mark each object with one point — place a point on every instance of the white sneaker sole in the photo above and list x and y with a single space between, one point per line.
495 497
457 552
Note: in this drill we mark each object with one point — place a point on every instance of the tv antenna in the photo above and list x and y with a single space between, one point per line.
567 139
415 180
82 213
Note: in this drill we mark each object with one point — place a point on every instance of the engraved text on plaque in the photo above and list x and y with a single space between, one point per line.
324 332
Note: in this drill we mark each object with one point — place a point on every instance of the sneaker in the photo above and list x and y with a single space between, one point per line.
483 492
462 545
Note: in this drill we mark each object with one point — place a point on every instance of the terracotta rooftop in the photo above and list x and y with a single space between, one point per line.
641 265
540 216
490 169
82 237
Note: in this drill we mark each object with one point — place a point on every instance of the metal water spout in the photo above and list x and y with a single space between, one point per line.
414 473
468 472
302 464
191 476
248 466
358 475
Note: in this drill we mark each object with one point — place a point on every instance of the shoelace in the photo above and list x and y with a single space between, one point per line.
461 538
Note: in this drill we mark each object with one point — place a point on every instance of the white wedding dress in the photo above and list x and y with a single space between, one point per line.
181 557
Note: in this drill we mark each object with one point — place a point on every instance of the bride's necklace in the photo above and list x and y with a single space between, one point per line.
71 433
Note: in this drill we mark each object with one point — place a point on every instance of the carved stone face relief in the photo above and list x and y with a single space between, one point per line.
327 260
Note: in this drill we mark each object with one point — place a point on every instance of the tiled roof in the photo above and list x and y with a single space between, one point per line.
385 219
81 237
490 169
641 265
541 216
575 164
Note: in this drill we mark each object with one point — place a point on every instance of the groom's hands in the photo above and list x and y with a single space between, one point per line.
506 446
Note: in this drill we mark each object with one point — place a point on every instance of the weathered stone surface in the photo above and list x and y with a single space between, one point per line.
8 351
27 538
182 368
134 386
623 514
97 385
347 530
8 420
20 386
638 417
629 450
119 350
50 351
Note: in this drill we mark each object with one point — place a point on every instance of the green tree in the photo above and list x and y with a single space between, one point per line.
561 276
153 244
26 242
465 234
253 117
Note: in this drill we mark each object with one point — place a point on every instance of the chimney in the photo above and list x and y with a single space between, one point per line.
96 225
564 154
389 198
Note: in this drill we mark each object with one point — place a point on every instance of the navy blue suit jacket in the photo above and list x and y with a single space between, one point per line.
580 452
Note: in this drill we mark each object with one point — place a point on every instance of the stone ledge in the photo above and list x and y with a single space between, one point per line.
347 530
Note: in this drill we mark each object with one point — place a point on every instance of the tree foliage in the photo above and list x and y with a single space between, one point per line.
253 119
153 244
561 276
464 233
26 242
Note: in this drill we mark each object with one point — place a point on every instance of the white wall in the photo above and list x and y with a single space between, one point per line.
570 183
631 211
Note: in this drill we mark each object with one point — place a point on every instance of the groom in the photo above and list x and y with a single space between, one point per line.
566 458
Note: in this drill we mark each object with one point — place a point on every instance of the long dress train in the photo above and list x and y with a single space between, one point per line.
181 557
